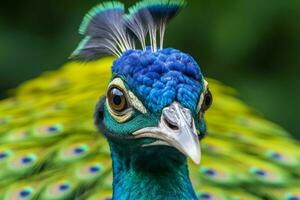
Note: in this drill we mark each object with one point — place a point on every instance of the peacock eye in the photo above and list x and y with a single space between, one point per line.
117 100
207 101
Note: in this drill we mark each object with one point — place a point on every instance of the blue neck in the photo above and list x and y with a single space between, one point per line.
145 175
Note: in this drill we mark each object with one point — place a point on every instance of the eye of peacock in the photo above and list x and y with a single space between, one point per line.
207 101
117 99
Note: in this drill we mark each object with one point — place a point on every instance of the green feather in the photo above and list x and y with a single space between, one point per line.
63 102
97 10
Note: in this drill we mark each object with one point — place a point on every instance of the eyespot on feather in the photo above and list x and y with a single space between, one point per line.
21 193
60 189
48 130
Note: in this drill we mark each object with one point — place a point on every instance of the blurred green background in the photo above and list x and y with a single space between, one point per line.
252 45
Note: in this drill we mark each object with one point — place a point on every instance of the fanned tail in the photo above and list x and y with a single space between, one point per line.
48 143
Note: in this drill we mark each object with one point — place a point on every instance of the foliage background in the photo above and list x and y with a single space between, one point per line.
252 45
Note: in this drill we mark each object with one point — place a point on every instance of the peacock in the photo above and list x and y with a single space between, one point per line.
125 117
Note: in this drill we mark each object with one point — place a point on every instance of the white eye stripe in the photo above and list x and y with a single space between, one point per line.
133 100
201 99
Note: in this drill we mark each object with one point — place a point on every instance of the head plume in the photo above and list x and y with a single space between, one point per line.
108 30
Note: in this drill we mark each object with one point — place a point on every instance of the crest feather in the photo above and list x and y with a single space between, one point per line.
162 11
108 30
105 32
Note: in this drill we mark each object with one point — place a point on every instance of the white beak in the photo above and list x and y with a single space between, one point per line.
177 129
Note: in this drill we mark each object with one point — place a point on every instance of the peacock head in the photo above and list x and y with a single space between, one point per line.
156 97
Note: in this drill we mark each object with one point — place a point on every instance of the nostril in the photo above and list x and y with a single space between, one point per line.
170 125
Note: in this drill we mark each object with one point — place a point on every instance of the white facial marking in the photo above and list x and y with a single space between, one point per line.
132 101
202 96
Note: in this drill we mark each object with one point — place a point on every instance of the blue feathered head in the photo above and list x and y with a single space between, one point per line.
157 96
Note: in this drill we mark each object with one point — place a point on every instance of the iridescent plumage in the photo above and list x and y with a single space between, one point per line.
50 149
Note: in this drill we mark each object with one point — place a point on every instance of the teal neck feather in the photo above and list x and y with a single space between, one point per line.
146 174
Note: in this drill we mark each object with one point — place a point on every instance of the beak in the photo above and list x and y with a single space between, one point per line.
177 129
